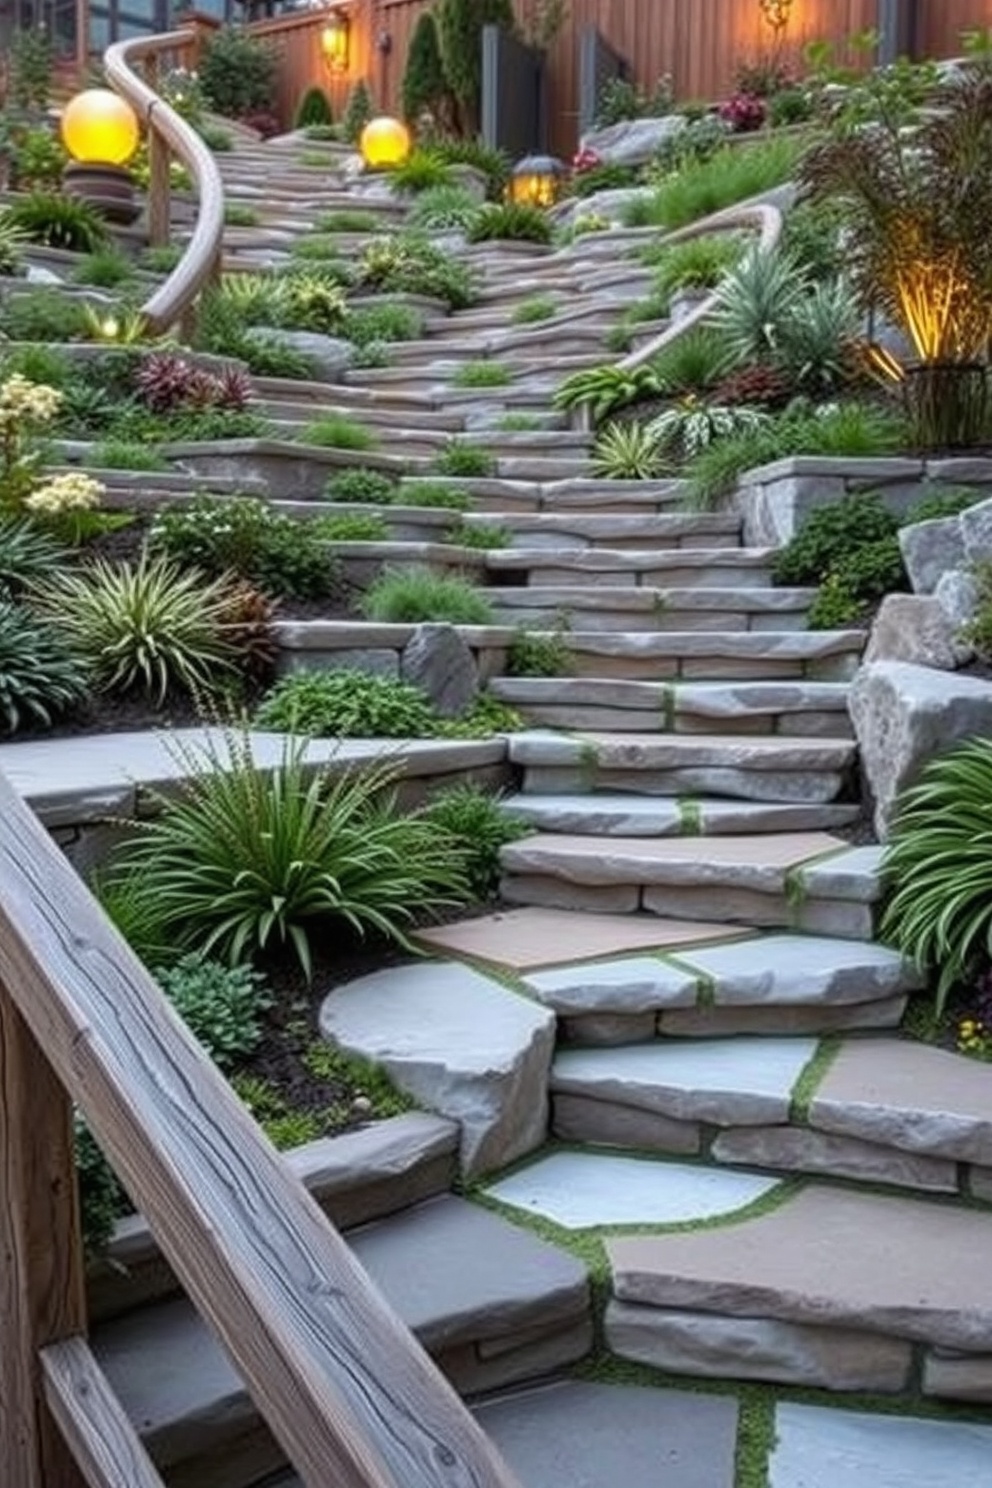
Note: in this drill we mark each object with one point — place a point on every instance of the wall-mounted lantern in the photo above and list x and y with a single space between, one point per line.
536 181
335 42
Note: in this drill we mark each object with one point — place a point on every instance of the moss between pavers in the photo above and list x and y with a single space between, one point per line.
810 1078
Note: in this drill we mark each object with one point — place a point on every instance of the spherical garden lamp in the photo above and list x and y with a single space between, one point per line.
101 132
536 181
384 142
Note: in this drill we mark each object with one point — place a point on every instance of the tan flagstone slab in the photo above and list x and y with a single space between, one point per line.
828 1256
910 1096
524 938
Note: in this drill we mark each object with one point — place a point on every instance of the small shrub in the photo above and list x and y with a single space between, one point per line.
730 175
465 461
237 214
105 268
424 85
221 1005
413 595
377 324
39 676
438 494
421 171
346 704
58 222
691 425
357 484
267 356
101 1198
484 536
607 389
474 819
313 108
357 112
520 423
510 222
831 533
42 315
125 454
352 527
243 535
161 258
493 164
237 73
348 220
221 141
27 553
693 363
336 431
413 265
699 263
535 309
482 375
938 869
146 627
441 209
244 858
539 653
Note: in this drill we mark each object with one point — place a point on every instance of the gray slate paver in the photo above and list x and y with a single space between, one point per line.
585 1435
821 1448
800 969
629 984
582 1190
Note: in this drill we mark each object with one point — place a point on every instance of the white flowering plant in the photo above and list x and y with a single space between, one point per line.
26 408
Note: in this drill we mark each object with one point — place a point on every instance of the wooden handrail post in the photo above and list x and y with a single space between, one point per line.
42 1297
159 178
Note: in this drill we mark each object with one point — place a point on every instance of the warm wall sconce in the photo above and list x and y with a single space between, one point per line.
776 13
334 42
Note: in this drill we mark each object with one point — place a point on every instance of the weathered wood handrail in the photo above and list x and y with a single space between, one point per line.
344 1387
201 260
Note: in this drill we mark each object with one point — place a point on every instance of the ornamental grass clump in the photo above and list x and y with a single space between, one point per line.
937 869
245 859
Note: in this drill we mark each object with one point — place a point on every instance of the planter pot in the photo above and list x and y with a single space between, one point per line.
948 404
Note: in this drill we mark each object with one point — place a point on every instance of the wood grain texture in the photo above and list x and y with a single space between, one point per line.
103 1441
41 1258
344 1387
172 299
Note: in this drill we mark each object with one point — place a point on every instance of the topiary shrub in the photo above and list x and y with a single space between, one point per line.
357 112
424 85
313 109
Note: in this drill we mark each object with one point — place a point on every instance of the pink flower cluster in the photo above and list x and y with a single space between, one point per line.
585 160
744 112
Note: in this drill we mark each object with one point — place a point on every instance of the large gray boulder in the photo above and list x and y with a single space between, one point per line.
903 715
633 141
460 1044
440 663
918 629
930 550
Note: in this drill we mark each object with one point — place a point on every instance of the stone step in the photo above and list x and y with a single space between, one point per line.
796 709
716 655
661 531
610 608
885 1111
601 814
700 568
806 881
494 1304
789 771
828 1286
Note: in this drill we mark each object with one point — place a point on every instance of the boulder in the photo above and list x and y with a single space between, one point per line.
957 595
330 354
611 205
931 549
438 661
916 628
976 532
633 141
903 715
460 1043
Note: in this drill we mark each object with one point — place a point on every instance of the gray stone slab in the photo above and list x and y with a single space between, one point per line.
604 1123
704 1344
799 970
781 1018
645 816
464 1045
852 875
821 1448
958 1377
801 1150
585 1435
909 1096
629 985
581 1190
830 1256
725 1082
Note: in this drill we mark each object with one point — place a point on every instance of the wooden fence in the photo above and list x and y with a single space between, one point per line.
698 42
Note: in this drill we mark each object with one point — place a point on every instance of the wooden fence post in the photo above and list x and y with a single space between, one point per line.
42 1295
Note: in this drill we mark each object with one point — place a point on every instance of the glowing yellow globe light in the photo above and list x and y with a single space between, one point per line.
100 128
384 142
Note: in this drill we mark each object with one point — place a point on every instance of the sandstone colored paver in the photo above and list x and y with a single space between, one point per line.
823 1448
908 1095
582 1190
727 1082
827 1256
705 1344
462 1044
584 1435
801 970
522 939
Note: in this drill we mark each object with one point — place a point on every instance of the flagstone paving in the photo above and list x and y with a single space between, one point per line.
816 1448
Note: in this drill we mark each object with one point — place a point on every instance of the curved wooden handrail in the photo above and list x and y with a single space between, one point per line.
176 296
341 1382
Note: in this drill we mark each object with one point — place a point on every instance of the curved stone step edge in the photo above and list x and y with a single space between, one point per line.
600 813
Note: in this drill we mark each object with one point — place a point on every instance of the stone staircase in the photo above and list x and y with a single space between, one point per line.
667 1068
